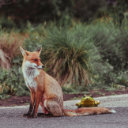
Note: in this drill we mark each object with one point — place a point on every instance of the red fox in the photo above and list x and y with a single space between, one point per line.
46 91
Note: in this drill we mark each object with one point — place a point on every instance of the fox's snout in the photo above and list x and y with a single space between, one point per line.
41 67
29 64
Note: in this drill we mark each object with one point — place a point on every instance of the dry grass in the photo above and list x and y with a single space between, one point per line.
9 47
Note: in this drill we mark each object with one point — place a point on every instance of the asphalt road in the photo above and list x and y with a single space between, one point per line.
11 117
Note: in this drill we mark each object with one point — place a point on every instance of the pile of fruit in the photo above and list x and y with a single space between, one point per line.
87 101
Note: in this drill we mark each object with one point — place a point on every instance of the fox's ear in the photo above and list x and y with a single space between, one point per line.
39 50
24 52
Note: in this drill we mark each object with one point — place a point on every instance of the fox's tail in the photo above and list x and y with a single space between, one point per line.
88 111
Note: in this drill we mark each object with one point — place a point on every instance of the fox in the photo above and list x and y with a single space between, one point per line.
47 92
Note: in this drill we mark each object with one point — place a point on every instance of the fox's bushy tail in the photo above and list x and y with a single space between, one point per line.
88 111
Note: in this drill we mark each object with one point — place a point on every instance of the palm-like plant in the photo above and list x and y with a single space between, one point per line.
67 53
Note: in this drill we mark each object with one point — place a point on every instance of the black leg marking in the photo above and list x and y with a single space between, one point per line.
29 111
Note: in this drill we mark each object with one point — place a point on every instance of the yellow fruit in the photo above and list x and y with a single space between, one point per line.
78 104
88 101
97 102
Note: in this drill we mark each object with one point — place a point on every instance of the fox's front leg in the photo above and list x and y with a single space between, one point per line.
31 105
38 97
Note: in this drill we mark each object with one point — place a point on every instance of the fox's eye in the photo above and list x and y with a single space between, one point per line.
35 60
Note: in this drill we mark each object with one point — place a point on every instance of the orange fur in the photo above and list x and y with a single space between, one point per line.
48 93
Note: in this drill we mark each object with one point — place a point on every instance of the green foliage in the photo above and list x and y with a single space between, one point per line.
68 52
78 54
68 90
36 36
111 42
122 78
12 82
117 10
35 11
7 24
86 10
61 10
75 89
97 49
43 10
62 48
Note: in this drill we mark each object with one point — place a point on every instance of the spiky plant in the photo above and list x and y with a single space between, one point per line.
67 52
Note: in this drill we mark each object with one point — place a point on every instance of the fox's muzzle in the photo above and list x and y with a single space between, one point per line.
41 67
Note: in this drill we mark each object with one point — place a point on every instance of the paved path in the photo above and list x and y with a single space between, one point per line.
11 117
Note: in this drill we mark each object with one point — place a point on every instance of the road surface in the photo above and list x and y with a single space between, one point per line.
11 117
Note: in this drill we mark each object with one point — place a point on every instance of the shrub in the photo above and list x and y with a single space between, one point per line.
12 82
67 52
77 54
87 10
7 24
122 78
111 43
36 36
43 10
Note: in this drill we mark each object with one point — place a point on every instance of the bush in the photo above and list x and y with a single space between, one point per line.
87 10
111 43
36 36
122 78
68 52
7 24
12 82
43 10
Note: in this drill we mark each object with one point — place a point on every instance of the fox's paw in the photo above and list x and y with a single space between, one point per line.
32 116
26 114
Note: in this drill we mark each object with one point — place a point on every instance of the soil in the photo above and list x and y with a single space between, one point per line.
16 100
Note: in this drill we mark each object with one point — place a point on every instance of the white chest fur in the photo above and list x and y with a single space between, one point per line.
30 73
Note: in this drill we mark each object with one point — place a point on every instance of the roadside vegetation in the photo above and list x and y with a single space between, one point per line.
81 56
82 53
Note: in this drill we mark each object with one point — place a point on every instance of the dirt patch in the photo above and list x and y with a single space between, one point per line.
16 100
95 93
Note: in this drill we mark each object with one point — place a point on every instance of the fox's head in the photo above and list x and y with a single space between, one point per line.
31 60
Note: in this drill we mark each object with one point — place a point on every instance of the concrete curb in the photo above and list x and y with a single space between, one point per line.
106 101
